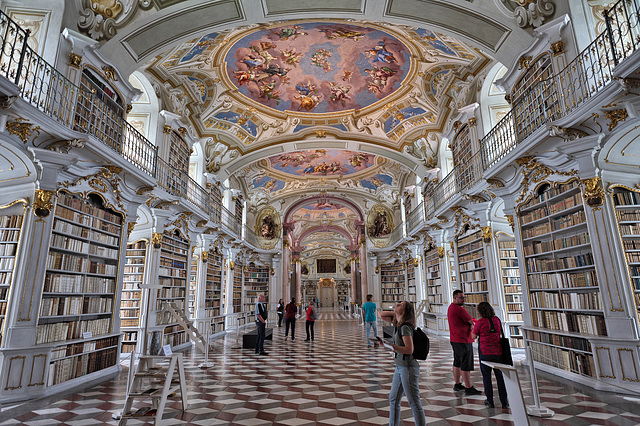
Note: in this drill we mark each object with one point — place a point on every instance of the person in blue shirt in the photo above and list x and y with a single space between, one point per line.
369 310
261 324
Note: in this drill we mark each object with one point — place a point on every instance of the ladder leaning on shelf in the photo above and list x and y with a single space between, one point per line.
188 326
157 383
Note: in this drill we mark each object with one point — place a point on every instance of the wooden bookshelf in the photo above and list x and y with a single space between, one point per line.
132 295
433 281
627 204
237 288
342 288
213 293
510 276
392 279
256 281
473 270
11 219
193 284
563 291
411 282
78 294
172 278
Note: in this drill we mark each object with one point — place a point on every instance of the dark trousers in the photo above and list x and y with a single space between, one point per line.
292 322
260 338
309 326
280 319
486 379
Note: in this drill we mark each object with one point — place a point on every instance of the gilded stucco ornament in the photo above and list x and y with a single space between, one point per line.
441 252
486 234
102 18
110 72
100 181
156 240
43 202
566 133
533 172
217 154
557 48
510 220
75 60
593 192
463 220
130 227
524 62
615 116
22 129
65 146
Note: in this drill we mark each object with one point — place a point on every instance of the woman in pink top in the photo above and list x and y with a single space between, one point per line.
487 331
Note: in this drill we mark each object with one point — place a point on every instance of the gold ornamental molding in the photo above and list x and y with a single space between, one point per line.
472 121
43 202
110 73
167 129
75 60
130 227
100 181
593 192
377 270
182 131
462 220
635 369
495 183
524 62
615 116
557 48
441 252
66 145
510 220
486 234
144 189
156 239
533 172
182 222
22 129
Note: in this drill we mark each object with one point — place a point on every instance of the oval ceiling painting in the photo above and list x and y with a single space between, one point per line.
318 67
322 162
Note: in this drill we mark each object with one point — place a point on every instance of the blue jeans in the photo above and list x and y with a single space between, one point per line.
260 337
368 325
486 379
405 381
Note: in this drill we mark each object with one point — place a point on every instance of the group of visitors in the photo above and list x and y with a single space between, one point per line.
289 312
463 330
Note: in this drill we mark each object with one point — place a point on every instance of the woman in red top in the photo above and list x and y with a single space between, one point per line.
489 349
311 320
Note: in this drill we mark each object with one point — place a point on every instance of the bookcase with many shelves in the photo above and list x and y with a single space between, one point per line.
510 276
236 300
213 293
393 283
473 270
256 281
11 218
311 290
433 276
130 302
76 310
172 282
411 281
627 206
193 283
563 291
342 288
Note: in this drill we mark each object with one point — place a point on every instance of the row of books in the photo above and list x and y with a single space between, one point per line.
66 262
476 298
83 347
631 244
434 298
175 339
511 273
8 249
547 265
7 263
129 313
173 263
589 300
537 247
470 256
509 263
473 275
469 266
93 222
475 287
626 198
54 306
78 366
469 238
567 321
628 215
10 235
475 246
563 280
550 193
130 303
512 288
69 330
565 204
68 243
10 222
560 340
83 206
177 247
630 229
173 272
171 292
393 290
102 268
514 317
566 360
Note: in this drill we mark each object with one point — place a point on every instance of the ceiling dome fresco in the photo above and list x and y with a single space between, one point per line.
318 67
322 162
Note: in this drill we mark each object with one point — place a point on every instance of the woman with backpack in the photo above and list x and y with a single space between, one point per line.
405 379
312 315
488 331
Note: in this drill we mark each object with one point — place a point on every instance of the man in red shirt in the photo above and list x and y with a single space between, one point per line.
460 326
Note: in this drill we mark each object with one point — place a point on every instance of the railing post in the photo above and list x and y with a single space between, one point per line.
22 53
607 21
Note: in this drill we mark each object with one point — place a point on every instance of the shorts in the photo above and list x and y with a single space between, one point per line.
462 355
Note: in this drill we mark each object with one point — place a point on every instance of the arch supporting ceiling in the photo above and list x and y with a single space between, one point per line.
322 199
325 228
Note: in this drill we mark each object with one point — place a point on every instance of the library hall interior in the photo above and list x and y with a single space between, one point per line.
240 212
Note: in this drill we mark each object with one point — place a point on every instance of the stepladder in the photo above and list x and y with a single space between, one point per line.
186 324
151 384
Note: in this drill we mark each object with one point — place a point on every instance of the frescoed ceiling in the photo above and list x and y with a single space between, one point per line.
322 162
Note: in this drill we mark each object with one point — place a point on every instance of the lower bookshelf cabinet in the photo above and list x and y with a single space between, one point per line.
74 360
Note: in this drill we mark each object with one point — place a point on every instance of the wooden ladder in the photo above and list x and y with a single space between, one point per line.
156 383
188 326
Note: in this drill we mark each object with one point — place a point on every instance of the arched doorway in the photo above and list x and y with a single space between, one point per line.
327 295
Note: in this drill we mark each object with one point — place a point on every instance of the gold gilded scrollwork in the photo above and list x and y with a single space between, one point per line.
441 252
510 220
75 60
593 192
557 48
205 256
22 130
110 73
533 172
43 203
66 145
615 116
156 240
99 180
130 227
377 269
232 265
486 234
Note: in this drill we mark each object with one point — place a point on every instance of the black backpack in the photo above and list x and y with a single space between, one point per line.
420 344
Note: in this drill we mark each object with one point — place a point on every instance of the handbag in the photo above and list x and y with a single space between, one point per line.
505 345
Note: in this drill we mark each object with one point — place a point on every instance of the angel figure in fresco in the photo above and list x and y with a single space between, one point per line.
379 53
357 159
378 78
342 33
245 76
339 93
290 57
347 75
268 228
268 91
380 227
308 96
287 33
253 61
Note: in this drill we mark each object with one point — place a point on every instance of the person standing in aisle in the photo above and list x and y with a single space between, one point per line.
369 309
488 330
312 315
280 311
405 378
261 324
460 325
290 312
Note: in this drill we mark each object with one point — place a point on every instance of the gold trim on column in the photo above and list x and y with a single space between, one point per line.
167 129
593 192
557 48
486 234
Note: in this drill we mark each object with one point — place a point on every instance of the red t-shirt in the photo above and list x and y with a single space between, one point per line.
489 343
459 327
309 312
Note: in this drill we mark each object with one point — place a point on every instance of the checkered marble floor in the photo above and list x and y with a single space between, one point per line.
335 380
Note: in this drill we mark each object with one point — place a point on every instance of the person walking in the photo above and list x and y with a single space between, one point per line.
290 312
261 324
460 324
405 378
488 330
369 309
280 311
311 320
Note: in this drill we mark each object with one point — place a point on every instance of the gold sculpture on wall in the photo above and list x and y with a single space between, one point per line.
43 203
